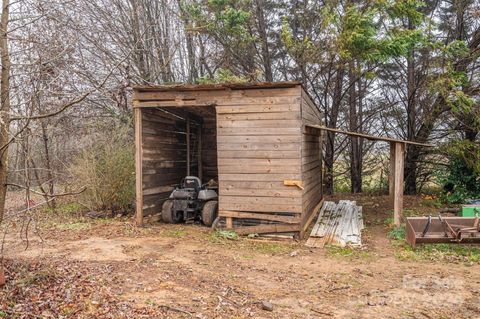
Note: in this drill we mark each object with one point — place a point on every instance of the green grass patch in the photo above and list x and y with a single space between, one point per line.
433 203
397 233
223 237
176 233
439 252
66 209
432 252
347 252
225 234
270 248
388 222
73 226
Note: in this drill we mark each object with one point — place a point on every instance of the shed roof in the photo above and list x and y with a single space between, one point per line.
217 86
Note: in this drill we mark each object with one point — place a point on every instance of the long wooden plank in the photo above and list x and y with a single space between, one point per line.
155 199
264 229
262 216
160 179
259 161
259 123
309 218
258 177
287 192
240 139
259 131
253 169
152 162
157 190
259 147
259 154
258 200
239 109
259 116
138 168
273 208
370 137
256 185
215 95
167 171
210 102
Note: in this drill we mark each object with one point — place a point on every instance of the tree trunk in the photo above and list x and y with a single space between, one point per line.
4 103
193 73
411 160
262 30
48 164
331 121
355 153
362 87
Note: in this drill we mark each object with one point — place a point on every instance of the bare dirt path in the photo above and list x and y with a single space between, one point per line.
185 271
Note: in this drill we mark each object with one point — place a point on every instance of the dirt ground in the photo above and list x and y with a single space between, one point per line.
78 267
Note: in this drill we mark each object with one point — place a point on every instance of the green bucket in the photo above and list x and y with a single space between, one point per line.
470 211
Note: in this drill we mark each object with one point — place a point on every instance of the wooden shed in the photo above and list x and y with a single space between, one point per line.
254 140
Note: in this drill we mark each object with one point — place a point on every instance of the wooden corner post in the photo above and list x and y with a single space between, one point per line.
397 170
138 167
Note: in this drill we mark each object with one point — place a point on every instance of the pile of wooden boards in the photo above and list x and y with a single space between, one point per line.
337 224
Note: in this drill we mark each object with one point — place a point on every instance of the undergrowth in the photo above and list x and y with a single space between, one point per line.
233 240
348 251
439 252
66 208
431 252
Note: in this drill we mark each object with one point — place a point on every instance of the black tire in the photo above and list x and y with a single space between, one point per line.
168 215
209 212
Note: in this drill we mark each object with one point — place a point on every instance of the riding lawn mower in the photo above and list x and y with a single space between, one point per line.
191 201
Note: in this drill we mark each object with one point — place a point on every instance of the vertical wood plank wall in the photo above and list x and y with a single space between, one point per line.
311 158
259 146
209 149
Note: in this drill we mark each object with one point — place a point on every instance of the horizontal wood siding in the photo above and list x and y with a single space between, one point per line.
311 158
209 150
259 146
163 157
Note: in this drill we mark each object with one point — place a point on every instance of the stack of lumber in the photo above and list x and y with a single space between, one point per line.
337 224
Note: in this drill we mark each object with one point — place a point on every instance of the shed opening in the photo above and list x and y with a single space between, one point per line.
176 142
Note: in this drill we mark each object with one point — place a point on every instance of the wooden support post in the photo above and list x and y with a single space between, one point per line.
138 167
398 185
199 152
188 146
229 222
391 176
320 146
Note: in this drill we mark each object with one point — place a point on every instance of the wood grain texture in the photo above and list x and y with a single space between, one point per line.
252 141
138 168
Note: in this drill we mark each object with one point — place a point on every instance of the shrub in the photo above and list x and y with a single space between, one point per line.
107 170
397 233
462 178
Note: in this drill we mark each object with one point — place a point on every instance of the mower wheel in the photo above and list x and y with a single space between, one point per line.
209 212
168 215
